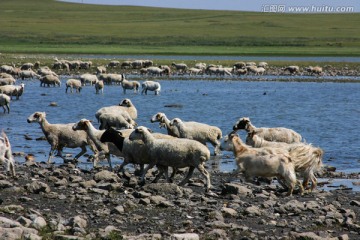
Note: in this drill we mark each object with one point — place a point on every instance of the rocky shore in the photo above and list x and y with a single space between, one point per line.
65 202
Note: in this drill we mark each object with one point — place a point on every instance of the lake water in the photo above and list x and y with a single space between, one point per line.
325 114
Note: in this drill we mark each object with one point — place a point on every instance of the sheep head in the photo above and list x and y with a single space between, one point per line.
175 122
126 103
83 124
159 117
36 117
241 123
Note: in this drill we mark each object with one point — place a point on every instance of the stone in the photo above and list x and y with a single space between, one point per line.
228 212
237 189
185 236
39 223
37 187
106 176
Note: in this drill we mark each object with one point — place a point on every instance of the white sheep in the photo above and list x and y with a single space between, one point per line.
155 71
95 135
166 69
27 66
73 83
116 120
150 86
61 135
201 132
7 81
99 86
314 70
195 71
174 152
257 162
307 159
125 64
126 84
5 102
134 151
256 70
13 90
114 63
124 106
100 69
200 66
239 65
49 80
180 66
6 154
165 122
279 134
137 63
28 74
46 71
88 78
263 64
113 78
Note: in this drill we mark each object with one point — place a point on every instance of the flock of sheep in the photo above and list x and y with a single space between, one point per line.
268 152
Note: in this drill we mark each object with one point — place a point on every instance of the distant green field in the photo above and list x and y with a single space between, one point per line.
47 26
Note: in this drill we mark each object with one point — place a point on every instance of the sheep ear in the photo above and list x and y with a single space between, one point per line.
149 130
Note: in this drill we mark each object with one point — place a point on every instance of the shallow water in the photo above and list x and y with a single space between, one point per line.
325 114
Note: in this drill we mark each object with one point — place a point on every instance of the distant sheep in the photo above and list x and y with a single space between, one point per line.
292 69
28 74
7 81
88 78
49 80
182 67
150 86
270 134
27 66
99 86
5 102
13 90
73 83
114 64
100 69
6 154
132 85
315 70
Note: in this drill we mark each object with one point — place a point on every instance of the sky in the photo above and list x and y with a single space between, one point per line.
294 6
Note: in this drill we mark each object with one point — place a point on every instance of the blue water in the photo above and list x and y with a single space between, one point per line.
325 114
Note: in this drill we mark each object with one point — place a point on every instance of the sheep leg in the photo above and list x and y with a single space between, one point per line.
83 151
186 179
149 166
206 174
162 169
109 160
52 149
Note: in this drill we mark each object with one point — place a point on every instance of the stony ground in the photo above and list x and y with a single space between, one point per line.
64 202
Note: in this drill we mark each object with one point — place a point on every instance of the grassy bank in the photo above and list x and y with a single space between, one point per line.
47 26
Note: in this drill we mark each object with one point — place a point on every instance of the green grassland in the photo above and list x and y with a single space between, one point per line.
48 26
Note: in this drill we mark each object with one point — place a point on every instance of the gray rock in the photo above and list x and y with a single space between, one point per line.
11 233
24 221
11 208
37 187
237 189
118 210
88 184
39 223
106 176
78 221
217 234
253 211
5 184
167 189
185 236
228 212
